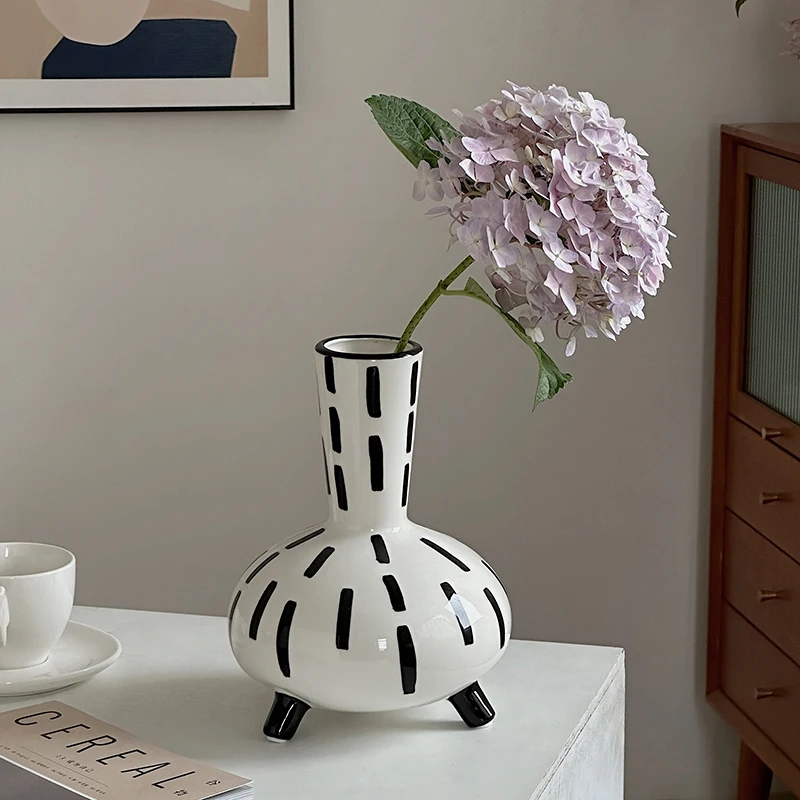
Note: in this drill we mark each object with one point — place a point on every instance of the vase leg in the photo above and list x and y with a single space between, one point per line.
473 706
284 718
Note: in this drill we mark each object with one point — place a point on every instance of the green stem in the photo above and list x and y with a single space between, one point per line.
441 288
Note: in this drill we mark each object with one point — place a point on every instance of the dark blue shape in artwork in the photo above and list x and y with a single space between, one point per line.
156 48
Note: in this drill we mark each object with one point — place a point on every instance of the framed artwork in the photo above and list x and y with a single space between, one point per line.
127 55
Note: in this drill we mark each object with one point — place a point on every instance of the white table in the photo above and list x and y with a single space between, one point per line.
559 732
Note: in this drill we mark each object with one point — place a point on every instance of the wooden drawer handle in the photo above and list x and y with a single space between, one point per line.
763 694
766 594
770 433
765 498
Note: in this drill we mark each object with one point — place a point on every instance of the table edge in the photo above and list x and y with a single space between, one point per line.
617 670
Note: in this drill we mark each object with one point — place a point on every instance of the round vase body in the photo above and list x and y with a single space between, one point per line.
368 611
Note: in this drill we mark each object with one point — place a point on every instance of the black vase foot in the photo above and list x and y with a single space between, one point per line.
284 718
473 706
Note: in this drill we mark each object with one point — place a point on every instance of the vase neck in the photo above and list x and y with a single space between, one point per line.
368 405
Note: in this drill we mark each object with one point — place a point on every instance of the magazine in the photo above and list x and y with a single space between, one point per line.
52 751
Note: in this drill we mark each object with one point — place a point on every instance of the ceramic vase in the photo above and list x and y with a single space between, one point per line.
369 611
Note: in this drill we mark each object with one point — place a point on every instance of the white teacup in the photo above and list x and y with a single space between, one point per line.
37 590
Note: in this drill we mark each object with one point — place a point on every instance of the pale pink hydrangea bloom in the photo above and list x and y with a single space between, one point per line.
553 197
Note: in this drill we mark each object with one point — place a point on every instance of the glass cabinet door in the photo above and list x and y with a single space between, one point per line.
772 327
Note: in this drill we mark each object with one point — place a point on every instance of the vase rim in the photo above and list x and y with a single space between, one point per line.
328 347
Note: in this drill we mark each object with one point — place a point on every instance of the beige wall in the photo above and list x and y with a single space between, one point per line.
166 276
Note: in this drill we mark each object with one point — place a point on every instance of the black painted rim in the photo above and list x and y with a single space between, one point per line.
322 348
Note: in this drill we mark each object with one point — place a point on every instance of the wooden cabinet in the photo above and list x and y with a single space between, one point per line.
753 675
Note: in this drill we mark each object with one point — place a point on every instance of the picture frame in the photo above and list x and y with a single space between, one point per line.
159 55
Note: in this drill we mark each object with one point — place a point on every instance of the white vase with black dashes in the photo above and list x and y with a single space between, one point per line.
369 611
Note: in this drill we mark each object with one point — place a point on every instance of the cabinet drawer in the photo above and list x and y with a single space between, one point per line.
763 487
762 681
762 584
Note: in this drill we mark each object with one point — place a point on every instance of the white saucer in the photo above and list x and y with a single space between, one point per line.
81 652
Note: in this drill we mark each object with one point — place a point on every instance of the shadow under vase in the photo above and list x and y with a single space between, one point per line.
157 48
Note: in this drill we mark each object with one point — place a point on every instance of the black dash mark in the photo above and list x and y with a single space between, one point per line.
327 473
414 378
282 637
330 378
261 566
489 567
373 392
303 539
395 595
261 606
316 564
341 489
379 546
343 618
376 463
233 609
408 659
442 552
460 612
336 430
410 432
501 624
406 472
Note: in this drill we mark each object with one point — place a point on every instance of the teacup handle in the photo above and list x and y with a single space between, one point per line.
5 617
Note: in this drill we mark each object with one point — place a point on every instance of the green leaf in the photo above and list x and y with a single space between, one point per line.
739 4
409 125
551 378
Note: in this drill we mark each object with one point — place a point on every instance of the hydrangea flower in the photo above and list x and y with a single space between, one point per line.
553 198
